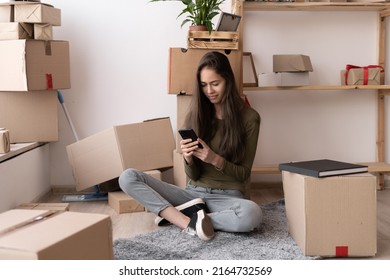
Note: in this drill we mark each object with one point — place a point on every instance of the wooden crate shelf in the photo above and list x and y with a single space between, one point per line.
217 40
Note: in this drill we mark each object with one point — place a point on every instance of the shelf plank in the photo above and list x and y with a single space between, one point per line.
315 6
373 167
339 87
17 149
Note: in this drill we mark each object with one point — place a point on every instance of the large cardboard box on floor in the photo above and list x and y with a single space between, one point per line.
34 65
333 216
101 157
40 234
30 116
183 64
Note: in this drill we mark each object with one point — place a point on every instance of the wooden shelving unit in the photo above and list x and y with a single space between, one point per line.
383 10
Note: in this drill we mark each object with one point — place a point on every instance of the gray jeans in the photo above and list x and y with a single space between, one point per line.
229 211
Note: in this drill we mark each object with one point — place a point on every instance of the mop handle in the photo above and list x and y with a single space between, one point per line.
62 102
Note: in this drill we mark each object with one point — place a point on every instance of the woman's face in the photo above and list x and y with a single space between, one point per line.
213 85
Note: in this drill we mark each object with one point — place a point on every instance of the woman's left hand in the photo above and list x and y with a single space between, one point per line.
208 155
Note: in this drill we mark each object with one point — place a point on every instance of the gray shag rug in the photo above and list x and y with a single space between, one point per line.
271 242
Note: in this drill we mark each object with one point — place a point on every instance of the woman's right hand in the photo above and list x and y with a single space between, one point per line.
188 147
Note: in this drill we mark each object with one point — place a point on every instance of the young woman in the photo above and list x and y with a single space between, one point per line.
228 131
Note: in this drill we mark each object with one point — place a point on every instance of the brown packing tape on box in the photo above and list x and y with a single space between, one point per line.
5 145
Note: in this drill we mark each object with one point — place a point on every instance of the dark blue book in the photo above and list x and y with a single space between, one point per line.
323 168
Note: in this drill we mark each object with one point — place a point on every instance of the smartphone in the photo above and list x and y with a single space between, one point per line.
189 134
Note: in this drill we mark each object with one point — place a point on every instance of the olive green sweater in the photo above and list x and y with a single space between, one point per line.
230 176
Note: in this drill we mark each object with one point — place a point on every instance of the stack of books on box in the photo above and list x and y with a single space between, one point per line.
33 67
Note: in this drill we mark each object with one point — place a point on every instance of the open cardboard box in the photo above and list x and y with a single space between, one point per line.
104 156
50 235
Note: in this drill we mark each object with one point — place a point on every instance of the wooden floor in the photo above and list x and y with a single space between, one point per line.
131 224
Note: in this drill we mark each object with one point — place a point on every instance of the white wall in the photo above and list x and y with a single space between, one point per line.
24 178
119 54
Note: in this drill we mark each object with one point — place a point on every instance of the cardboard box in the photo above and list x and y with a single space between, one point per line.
334 216
291 63
6 12
101 157
34 65
43 32
16 30
30 116
356 76
5 145
37 13
183 64
123 203
40 234
284 79
44 206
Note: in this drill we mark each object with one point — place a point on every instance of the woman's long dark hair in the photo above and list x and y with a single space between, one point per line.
202 113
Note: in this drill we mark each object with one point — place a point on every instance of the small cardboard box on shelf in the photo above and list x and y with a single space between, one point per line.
365 75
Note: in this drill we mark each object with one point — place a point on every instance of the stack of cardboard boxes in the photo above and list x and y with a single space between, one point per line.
288 70
33 67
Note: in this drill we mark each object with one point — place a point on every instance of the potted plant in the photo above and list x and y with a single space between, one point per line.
199 12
